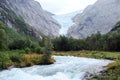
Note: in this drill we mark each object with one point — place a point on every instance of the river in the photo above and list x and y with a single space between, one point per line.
65 68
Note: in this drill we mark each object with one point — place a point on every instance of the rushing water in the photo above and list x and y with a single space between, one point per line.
65 68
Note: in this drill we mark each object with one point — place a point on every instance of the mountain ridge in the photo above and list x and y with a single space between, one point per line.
100 17
31 12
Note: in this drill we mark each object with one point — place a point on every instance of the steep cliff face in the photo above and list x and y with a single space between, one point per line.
33 14
9 18
100 17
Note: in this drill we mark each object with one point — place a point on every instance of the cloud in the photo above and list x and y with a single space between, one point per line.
64 6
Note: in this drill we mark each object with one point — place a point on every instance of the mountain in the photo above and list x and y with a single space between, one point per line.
32 14
9 19
65 20
100 17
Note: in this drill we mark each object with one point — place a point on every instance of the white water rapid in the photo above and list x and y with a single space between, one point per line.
65 68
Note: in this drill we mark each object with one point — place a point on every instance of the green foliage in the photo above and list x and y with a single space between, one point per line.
34 46
10 33
114 64
17 44
48 46
21 52
19 24
91 54
113 72
106 42
39 50
27 50
41 42
3 40
20 32
22 44
16 57
5 61
46 58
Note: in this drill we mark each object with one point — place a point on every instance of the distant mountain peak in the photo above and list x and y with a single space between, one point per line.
33 14
102 16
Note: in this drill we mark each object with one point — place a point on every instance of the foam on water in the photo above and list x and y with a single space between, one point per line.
65 68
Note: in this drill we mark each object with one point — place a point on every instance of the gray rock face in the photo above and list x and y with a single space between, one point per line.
102 16
33 14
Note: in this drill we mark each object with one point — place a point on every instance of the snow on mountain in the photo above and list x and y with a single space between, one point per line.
65 20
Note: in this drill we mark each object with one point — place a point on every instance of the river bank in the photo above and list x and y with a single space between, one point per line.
19 59
65 68
113 69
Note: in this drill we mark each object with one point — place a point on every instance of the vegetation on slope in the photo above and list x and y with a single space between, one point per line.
27 50
7 16
28 56
98 42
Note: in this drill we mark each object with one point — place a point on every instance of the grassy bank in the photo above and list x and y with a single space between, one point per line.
18 58
91 54
113 71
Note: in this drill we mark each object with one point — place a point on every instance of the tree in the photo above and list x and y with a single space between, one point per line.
3 40
47 51
48 46
18 44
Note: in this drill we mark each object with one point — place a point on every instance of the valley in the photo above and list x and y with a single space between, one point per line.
36 44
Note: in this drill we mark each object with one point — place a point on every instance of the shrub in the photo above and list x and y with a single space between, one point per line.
39 50
27 50
17 44
47 59
22 52
16 57
5 61
113 65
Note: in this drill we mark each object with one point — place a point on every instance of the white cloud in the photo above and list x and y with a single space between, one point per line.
64 6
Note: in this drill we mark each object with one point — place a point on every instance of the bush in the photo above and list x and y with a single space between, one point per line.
113 65
39 50
22 52
17 44
47 59
16 57
5 61
27 50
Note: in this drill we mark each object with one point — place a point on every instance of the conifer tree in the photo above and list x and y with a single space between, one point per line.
3 40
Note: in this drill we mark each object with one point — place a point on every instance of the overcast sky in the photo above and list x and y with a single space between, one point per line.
65 6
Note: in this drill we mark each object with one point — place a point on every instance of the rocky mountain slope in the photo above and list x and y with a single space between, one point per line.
32 13
11 20
100 17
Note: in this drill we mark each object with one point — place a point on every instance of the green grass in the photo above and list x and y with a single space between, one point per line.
91 54
113 72
18 58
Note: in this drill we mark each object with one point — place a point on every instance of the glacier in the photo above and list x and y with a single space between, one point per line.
65 20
